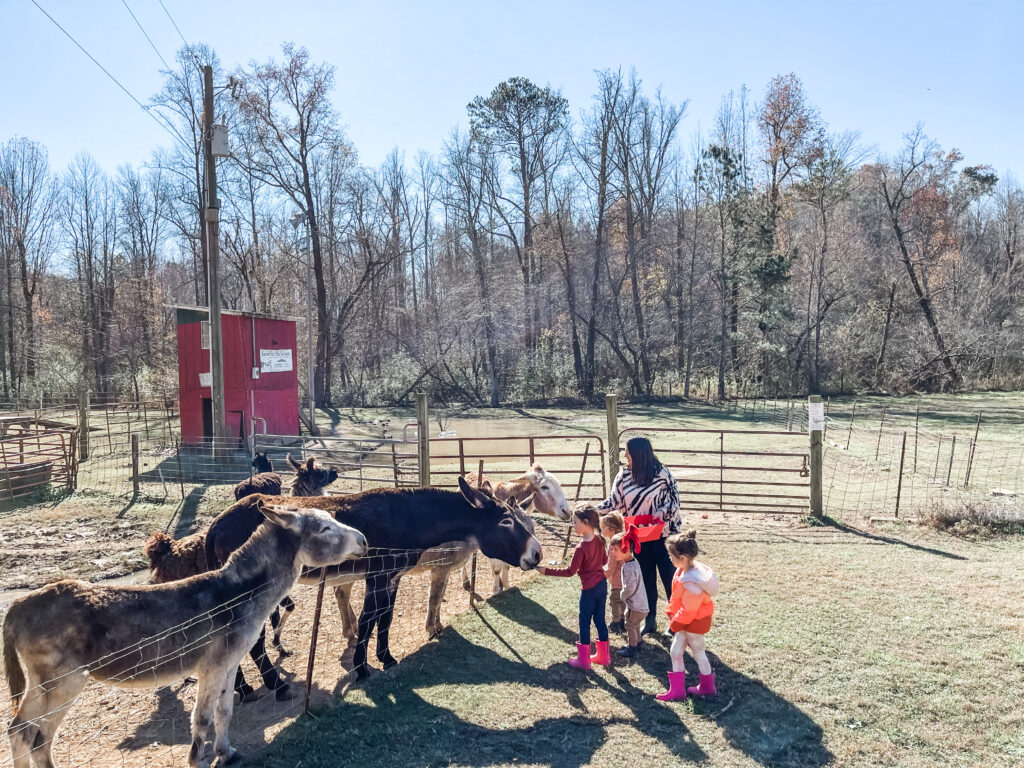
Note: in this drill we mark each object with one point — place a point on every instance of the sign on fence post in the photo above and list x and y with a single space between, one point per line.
83 426
423 438
611 406
815 426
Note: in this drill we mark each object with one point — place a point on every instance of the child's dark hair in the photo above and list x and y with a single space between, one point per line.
616 544
589 515
682 545
614 522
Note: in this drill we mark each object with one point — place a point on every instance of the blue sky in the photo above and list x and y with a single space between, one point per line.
405 70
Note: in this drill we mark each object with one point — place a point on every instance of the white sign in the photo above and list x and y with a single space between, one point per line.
274 360
206 379
815 417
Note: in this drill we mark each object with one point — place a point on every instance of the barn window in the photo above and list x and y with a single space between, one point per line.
206 334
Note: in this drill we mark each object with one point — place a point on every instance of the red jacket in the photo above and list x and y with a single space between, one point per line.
588 561
690 608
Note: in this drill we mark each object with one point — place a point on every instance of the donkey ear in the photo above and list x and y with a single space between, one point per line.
486 486
277 515
310 462
295 465
525 503
476 499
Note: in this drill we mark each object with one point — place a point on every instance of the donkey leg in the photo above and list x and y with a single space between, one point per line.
438 585
384 626
245 691
202 721
343 594
271 677
496 586
225 700
374 606
42 711
288 607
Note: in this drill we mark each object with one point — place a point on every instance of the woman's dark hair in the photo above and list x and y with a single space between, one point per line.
682 545
645 464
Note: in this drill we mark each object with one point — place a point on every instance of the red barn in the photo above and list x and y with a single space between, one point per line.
261 383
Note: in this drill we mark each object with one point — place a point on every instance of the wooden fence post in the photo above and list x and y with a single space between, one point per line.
970 453
423 435
611 409
881 423
135 465
952 450
472 569
83 426
815 422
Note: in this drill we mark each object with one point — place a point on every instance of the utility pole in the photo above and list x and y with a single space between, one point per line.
212 215
310 353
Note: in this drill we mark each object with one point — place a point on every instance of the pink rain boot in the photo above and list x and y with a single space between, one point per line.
582 660
676 687
705 688
602 656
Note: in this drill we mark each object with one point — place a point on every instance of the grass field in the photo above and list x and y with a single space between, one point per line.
832 647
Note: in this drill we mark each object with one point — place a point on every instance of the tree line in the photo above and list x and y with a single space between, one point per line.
546 251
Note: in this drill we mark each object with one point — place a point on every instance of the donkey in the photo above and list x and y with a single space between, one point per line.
171 559
70 631
399 524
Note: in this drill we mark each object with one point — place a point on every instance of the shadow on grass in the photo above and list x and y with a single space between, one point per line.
844 528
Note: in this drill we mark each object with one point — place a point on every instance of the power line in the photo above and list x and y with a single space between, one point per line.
175 25
173 134
143 31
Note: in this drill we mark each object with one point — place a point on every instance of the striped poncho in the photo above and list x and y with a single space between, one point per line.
659 498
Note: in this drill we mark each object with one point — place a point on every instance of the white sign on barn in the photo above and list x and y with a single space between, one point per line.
275 360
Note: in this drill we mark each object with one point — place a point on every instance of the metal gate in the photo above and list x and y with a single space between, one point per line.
741 471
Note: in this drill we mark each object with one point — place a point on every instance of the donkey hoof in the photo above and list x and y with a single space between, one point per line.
362 672
283 654
232 758
387 661
249 694
284 693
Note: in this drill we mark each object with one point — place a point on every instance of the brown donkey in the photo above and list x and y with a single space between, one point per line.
71 631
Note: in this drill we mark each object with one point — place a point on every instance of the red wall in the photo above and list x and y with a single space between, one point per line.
275 395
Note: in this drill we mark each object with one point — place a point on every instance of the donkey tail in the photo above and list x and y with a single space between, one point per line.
12 667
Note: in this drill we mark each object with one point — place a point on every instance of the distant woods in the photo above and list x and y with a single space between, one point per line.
547 250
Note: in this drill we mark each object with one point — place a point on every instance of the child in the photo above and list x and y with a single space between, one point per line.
588 561
689 611
611 524
634 596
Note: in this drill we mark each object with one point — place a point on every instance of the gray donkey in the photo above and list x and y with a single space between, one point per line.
70 631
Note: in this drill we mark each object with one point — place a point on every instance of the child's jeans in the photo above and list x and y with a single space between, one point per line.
634 622
695 643
618 607
592 605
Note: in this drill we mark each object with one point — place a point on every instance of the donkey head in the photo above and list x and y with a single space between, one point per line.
504 531
322 539
548 496
310 478
261 463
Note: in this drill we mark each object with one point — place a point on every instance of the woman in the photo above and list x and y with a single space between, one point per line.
645 487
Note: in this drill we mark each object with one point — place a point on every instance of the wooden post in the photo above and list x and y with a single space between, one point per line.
881 422
423 434
135 466
828 405
181 474
970 454
83 426
952 450
938 452
611 410
394 463
312 642
899 478
814 404
849 434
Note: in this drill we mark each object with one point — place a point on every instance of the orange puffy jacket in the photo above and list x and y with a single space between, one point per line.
691 607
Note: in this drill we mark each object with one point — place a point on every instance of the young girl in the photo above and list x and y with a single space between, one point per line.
588 561
689 611
634 596
612 524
